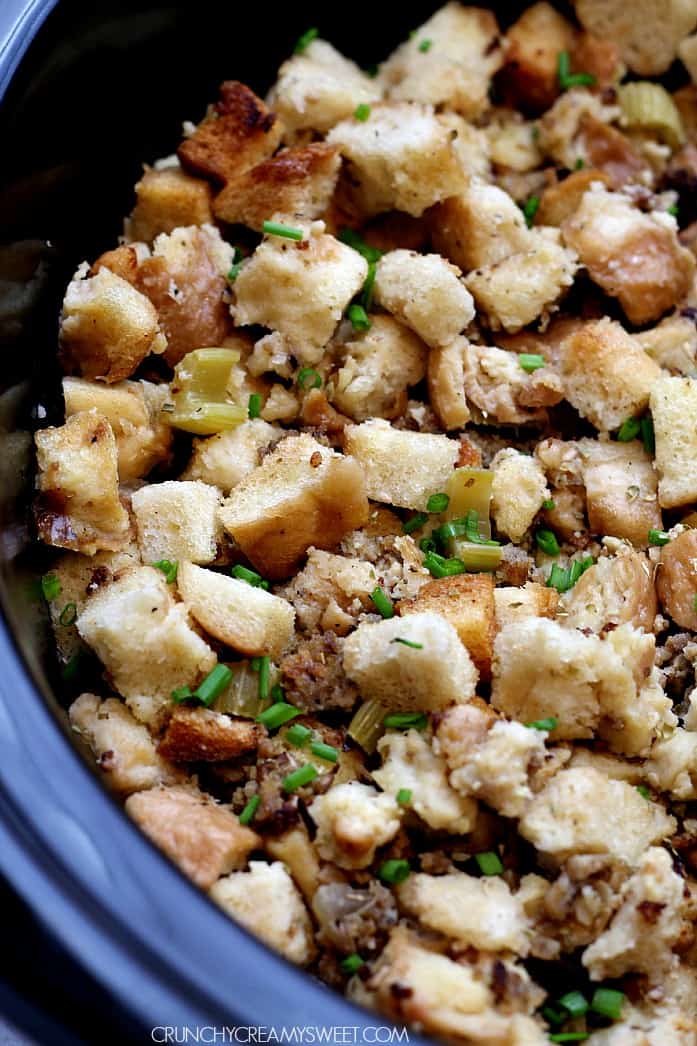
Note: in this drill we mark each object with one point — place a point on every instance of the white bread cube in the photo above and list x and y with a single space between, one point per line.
672 766
242 616
607 377
648 34
225 459
266 902
78 503
455 70
302 494
107 327
299 288
674 412
353 820
534 42
426 293
481 226
528 600
166 200
428 677
518 489
178 520
382 451
404 157
672 343
616 590
319 87
446 385
621 484
144 640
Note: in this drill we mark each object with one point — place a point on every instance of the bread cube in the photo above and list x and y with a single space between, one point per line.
318 88
467 602
607 377
246 618
266 902
676 579
621 485
225 459
202 735
107 327
672 766
674 412
616 590
206 840
635 257
496 384
299 288
353 820
513 145
404 157
560 200
427 677
528 600
178 520
534 42
426 293
518 489
296 183
78 505
481 226
144 640
687 53
446 385
302 494
381 452
238 133
166 200
648 39
672 343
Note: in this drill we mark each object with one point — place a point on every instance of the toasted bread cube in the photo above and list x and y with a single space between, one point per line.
178 520
583 811
225 459
425 292
428 677
676 577
467 602
246 618
456 69
674 413
561 200
206 840
496 384
534 42
196 735
513 143
381 451
615 590
302 494
107 327
529 600
266 902
78 503
318 88
648 33
607 376
446 385
123 748
239 133
144 641
635 257
518 489
353 820
481 226
297 183
299 288
672 766
403 158
132 410
377 367
672 344
167 200
621 490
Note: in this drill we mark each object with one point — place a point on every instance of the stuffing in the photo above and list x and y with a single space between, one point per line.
581 811
409 761
621 489
426 293
674 411
561 129
313 675
648 35
353 820
496 384
518 489
242 616
299 288
676 579
281 405
177 520
144 640
528 600
318 88
299 856
616 590
672 765
404 157
331 591
124 750
302 494
446 384
206 840
481 226
467 602
77 505
377 368
512 143
456 69
533 44
561 200
435 672
380 451
225 459
633 256
672 344
166 200
202 735
107 327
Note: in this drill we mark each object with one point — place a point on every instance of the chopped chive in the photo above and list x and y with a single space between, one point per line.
658 537
629 430
245 574
213 685
567 78
406 721
408 642
531 361
394 872
359 317
553 1016
530 209
427 545
371 71
68 614
309 378
264 674
322 751
305 40
286 232
547 542
674 210
169 568
489 863
575 1002
354 239
362 112
278 714
439 566
580 163
579 567
277 693
302 776
415 523
383 603
404 796
352 963
255 664
550 723
254 405
643 791
50 587
369 286
608 1003
182 693
558 578
234 272
425 46
648 437
298 735
247 815
437 502
548 503
569 1036
71 669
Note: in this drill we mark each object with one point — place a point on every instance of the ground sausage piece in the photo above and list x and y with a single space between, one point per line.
314 677
354 920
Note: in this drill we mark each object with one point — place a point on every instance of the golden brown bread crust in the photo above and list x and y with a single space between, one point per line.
534 42
610 151
559 200
167 200
201 735
676 579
